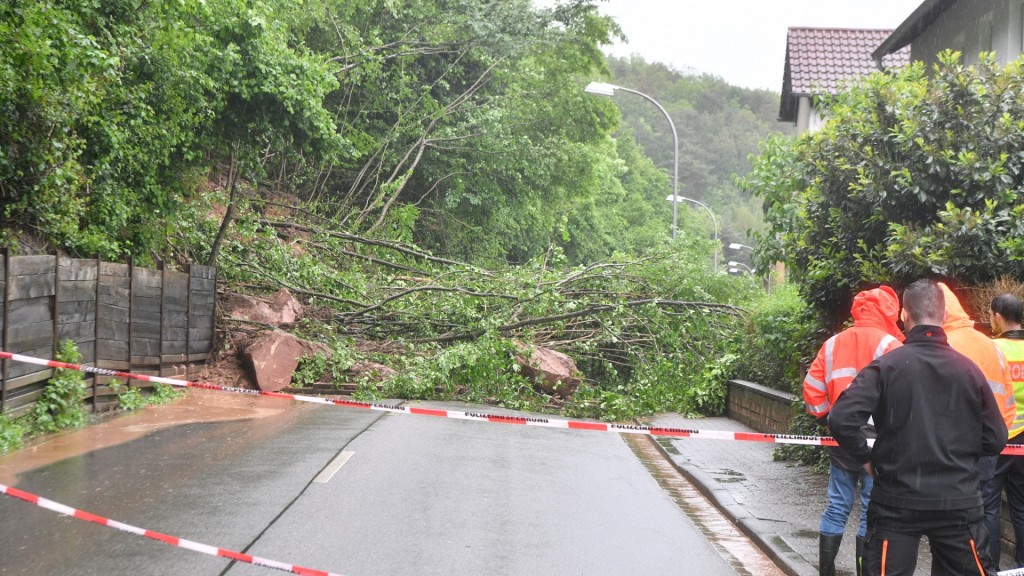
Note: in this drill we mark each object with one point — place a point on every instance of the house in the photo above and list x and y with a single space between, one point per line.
821 60
969 27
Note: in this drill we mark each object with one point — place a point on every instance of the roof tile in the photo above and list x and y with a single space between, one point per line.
821 59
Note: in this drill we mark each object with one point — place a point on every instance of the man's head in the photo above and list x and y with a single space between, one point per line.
1005 313
923 303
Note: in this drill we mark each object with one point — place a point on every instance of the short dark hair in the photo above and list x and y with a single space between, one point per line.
1007 306
924 302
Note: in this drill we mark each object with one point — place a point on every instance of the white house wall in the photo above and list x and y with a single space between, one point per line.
972 27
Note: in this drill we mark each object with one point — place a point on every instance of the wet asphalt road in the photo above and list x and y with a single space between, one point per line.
416 495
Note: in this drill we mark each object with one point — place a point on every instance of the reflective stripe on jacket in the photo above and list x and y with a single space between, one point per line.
966 340
873 333
1013 350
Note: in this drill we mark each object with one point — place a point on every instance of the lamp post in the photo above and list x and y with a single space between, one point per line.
738 246
605 89
714 252
736 264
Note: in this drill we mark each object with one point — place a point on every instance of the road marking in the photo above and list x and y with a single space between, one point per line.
327 473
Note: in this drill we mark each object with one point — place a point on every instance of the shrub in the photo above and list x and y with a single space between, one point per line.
132 398
782 336
11 434
60 406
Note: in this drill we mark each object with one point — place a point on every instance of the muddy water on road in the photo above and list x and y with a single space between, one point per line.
196 406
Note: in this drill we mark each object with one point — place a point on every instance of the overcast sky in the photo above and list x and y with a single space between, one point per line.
742 41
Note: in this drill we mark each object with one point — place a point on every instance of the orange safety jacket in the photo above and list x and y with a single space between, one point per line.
963 338
874 332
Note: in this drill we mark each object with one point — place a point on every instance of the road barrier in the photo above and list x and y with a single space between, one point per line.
1012 450
392 408
160 537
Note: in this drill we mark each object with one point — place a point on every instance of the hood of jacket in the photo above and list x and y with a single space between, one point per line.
877 308
956 316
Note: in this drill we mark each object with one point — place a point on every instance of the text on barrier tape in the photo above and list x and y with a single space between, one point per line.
165 538
1012 450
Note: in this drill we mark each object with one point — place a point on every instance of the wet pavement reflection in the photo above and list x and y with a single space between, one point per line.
743 555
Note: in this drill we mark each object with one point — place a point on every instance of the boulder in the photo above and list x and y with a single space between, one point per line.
286 305
280 308
372 370
552 372
271 359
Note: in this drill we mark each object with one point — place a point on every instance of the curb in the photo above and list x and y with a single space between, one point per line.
787 559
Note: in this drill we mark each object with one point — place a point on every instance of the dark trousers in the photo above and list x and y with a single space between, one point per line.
958 541
1009 475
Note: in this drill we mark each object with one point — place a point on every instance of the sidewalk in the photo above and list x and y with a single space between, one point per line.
777 504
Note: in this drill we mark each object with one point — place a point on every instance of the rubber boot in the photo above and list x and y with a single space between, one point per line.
861 547
828 547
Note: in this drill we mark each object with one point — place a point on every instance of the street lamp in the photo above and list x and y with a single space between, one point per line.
735 264
714 252
738 246
605 89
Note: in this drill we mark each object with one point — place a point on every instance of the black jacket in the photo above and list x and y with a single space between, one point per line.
935 416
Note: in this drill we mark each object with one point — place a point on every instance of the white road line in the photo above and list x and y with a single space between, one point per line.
327 473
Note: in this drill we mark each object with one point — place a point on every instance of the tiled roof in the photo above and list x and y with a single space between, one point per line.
822 59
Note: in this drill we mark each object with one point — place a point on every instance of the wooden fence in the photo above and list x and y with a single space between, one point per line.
121 317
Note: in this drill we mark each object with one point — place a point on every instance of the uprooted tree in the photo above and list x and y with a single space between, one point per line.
643 330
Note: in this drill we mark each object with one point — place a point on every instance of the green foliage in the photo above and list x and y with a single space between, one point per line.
456 128
61 405
164 393
131 398
782 336
310 370
111 115
482 371
719 126
12 432
912 175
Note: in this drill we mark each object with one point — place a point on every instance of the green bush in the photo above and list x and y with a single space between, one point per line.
11 434
132 398
781 338
164 393
61 405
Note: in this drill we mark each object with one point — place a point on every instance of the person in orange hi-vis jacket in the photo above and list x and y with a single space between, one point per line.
986 354
874 332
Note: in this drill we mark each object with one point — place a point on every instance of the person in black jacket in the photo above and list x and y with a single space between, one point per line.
935 416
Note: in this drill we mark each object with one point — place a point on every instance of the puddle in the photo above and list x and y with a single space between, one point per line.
743 555
668 446
726 476
197 405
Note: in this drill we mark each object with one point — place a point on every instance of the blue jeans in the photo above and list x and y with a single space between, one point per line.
842 489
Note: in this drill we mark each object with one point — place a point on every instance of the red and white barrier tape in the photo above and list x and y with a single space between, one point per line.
165 538
477 416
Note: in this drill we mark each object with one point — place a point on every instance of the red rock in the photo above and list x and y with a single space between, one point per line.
271 359
553 373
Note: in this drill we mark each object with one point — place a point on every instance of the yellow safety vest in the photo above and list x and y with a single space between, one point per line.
1013 349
